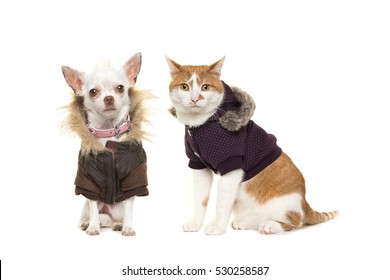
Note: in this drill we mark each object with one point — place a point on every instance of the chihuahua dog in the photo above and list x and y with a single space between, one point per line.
107 113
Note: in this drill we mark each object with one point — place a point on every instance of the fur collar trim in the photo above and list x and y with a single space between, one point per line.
76 121
234 119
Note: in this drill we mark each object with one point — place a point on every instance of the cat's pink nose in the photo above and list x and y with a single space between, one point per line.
109 100
195 98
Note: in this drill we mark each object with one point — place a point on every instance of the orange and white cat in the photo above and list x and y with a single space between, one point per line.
259 183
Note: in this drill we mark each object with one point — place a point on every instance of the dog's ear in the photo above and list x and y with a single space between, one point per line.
132 67
74 78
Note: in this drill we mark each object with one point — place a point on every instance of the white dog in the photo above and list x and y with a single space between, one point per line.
107 114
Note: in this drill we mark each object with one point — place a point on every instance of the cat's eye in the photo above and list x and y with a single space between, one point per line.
120 89
93 92
205 87
184 87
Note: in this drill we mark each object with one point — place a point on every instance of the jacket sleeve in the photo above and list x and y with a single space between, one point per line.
194 160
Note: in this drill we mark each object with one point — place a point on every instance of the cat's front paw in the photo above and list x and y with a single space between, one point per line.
214 228
236 225
192 226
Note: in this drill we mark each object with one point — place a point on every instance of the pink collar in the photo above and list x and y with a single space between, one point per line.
116 131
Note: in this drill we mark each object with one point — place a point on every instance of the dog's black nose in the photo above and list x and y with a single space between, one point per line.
109 100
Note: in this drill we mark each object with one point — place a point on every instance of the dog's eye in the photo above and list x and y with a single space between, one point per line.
184 87
120 89
93 92
205 87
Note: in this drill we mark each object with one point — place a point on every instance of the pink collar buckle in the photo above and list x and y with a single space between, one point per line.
118 130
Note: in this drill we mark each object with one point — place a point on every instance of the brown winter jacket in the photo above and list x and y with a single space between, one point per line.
115 175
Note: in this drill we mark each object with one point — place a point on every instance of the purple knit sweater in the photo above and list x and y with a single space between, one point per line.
212 146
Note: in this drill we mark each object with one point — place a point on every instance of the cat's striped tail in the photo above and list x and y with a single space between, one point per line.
313 217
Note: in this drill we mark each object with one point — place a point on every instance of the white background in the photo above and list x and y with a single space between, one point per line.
319 73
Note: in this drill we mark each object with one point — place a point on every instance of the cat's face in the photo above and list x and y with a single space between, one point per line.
196 89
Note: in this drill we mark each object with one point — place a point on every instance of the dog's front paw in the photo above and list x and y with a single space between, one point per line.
214 228
93 230
192 226
84 225
128 232
117 226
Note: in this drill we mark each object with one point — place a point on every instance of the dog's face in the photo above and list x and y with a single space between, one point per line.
105 90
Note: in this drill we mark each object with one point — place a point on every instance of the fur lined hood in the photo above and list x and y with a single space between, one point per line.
76 121
237 116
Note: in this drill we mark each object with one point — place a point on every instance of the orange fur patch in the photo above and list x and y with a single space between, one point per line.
294 218
205 202
204 76
281 177
286 226
294 221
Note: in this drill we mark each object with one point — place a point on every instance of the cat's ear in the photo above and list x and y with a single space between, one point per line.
216 67
74 78
132 67
174 67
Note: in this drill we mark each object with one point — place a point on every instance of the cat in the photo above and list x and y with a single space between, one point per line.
259 183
